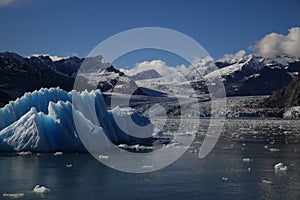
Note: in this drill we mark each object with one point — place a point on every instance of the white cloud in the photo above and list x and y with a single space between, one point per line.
203 65
158 65
275 44
5 2
231 58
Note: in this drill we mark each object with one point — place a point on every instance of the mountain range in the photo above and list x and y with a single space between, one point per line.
248 76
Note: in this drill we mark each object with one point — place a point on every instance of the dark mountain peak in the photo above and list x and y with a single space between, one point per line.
19 74
286 97
148 74
11 56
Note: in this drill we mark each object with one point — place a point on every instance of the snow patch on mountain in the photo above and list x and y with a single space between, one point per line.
53 58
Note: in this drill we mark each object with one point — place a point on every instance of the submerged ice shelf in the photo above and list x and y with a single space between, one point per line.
43 121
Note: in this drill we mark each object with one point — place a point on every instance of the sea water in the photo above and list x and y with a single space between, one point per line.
241 166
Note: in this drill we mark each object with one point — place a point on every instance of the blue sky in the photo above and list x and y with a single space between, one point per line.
64 28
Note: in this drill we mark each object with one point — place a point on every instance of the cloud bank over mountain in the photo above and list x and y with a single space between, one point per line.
274 44
158 65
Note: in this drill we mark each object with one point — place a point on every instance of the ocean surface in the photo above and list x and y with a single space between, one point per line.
223 174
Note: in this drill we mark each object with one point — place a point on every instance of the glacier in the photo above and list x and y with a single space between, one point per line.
47 121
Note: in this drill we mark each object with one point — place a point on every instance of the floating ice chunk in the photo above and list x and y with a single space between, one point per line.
24 153
147 166
58 153
103 157
194 151
174 145
69 165
280 167
224 178
41 189
274 150
48 120
249 169
246 160
197 142
136 147
122 145
277 166
292 112
285 168
14 196
266 181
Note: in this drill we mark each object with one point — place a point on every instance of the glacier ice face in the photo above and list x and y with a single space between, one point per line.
37 99
47 121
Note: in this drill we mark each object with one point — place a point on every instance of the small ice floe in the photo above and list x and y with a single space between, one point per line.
224 178
266 147
41 189
280 167
24 153
122 145
249 169
147 166
174 145
136 147
246 159
274 150
103 157
69 165
194 151
285 168
38 154
14 196
266 181
272 142
197 142
59 153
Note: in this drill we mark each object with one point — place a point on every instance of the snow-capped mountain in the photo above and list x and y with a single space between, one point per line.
19 74
254 75
148 74
246 76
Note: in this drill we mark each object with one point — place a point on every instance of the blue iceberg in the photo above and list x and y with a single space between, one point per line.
48 121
